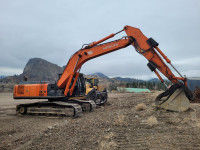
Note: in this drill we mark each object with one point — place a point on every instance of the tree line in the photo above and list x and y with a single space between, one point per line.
151 85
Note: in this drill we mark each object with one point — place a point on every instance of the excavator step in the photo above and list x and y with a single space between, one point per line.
50 108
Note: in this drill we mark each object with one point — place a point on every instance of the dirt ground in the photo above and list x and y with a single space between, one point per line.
117 125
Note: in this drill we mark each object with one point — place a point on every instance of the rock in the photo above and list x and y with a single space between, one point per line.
50 127
107 130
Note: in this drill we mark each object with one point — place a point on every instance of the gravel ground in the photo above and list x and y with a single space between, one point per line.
117 125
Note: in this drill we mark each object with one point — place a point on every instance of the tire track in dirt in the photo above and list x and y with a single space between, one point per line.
173 131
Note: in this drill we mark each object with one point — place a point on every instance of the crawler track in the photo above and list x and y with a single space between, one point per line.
50 108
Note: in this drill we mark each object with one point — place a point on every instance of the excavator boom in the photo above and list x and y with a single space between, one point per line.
83 55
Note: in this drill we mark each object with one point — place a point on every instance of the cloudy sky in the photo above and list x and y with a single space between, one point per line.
54 30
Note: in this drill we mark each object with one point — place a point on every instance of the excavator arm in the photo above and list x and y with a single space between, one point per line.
146 47
82 56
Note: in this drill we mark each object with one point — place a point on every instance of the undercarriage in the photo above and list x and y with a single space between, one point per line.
70 108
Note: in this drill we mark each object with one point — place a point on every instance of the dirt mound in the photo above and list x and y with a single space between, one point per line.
197 96
152 121
140 107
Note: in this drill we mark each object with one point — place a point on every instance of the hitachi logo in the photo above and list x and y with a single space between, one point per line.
110 46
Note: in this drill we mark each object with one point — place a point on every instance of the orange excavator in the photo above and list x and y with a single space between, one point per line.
62 96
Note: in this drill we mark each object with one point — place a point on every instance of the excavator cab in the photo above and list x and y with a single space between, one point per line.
79 89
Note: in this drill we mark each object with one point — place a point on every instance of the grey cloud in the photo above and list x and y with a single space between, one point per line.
54 30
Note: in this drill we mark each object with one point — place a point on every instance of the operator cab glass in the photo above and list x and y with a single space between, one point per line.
96 81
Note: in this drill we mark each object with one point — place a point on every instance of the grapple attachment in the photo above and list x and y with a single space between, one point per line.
178 97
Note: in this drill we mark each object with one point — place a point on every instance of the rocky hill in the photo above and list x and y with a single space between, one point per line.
36 69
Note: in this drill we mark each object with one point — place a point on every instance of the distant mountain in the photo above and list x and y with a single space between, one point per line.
124 79
154 80
99 74
157 80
